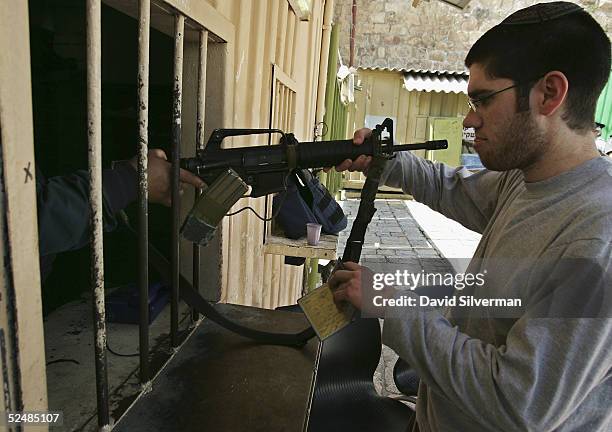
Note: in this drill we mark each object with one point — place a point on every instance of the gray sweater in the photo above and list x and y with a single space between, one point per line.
549 366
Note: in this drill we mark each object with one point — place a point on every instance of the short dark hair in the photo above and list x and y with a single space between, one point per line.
546 37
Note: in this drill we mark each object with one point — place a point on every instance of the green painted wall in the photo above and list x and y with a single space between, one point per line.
450 129
335 119
335 112
603 113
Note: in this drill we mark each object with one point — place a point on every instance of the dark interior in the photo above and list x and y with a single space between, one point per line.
58 52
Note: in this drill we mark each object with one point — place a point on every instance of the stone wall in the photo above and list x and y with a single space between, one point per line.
434 35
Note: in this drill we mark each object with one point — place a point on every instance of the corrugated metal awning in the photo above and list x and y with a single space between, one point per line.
432 81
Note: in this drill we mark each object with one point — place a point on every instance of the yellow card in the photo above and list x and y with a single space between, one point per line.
324 316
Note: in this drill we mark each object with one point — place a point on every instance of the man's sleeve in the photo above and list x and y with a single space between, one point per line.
63 206
469 198
545 368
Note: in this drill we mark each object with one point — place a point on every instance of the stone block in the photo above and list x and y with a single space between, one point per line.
373 258
366 28
382 28
401 241
427 253
437 55
399 29
378 18
405 263
405 253
411 262
470 24
392 40
397 7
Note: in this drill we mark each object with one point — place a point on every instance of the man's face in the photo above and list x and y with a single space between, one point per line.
505 139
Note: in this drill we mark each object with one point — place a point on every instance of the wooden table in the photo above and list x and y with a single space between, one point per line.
219 381
278 245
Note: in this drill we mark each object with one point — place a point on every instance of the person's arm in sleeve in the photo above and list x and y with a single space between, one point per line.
63 206
546 366
63 202
469 198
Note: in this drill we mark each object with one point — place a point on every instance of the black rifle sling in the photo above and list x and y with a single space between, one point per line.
354 244
195 300
352 252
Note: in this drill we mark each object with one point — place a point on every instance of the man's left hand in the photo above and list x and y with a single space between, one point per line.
347 284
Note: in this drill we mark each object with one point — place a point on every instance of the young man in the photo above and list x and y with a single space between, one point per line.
544 208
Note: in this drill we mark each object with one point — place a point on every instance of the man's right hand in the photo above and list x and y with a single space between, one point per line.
362 163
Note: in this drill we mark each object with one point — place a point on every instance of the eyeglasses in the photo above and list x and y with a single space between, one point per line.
474 104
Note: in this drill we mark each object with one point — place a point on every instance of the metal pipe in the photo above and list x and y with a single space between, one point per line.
144 15
203 50
352 39
200 138
328 13
94 134
179 29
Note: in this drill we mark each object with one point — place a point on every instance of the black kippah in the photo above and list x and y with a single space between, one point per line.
541 12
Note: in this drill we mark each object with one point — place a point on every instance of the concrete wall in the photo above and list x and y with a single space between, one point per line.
434 35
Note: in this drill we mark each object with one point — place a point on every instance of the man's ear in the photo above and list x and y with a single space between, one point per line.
551 92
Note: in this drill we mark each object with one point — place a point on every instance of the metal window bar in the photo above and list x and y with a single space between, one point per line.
203 50
95 172
179 31
144 16
94 133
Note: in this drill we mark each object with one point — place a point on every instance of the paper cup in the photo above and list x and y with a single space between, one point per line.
313 233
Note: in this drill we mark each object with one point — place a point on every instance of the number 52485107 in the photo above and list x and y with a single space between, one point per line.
25 418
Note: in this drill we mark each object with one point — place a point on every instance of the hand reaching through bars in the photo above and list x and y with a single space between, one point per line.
160 177
64 208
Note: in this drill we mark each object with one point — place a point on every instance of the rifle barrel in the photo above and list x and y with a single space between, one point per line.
427 145
307 155
330 153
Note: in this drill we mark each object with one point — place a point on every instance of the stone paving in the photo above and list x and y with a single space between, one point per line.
394 238
453 240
